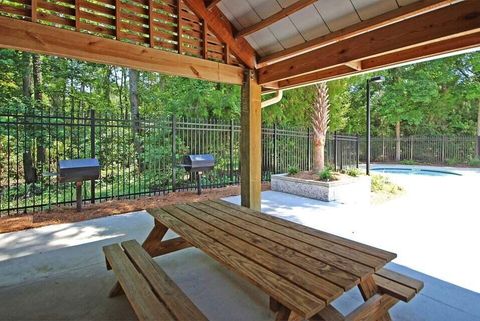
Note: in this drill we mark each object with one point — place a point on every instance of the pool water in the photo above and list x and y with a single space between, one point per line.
414 171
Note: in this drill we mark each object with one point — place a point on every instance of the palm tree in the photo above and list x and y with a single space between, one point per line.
320 120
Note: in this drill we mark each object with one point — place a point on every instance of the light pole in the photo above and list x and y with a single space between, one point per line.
377 79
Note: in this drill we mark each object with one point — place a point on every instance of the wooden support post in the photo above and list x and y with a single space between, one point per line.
250 142
179 26
368 289
34 10
205 40
118 18
150 24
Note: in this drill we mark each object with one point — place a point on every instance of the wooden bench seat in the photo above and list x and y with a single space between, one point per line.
397 285
152 294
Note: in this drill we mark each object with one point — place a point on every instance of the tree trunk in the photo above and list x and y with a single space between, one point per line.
397 142
27 76
135 114
37 78
320 121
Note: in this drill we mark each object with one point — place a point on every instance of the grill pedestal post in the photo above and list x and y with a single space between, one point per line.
79 195
199 184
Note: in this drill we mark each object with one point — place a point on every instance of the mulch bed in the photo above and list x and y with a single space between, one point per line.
68 214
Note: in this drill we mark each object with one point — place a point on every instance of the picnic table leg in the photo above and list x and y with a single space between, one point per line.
150 244
274 305
368 288
285 314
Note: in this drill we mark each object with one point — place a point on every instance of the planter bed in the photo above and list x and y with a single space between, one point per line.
347 190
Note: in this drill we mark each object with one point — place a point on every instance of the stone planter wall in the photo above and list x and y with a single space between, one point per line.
350 190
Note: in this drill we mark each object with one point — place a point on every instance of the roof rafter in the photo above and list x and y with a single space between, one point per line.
222 28
390 60
452 21
409 11
274 18
211 3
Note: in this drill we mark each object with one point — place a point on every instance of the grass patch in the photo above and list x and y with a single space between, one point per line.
383 189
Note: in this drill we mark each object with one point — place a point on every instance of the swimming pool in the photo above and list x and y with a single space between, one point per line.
414 171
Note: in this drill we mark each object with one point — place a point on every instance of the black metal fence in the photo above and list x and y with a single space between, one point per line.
423 149
137 157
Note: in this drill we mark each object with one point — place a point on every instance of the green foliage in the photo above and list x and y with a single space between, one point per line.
353 171
327 174
292 170
382 184
453 162
408 162
474 162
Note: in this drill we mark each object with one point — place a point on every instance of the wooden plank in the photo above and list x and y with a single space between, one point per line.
402 279
179 27
453 21
335 248
32 37
211 3
394 289
291 9
328 314
304 279
250 142
222 28
222 221
281 289
177 302
387 256
410 55
138 291
383 20
329 258
374 309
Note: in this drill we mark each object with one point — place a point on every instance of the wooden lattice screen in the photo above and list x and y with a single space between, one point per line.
167 25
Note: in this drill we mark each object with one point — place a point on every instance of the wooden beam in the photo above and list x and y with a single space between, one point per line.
274 18
453 21
211 3
411 55
391 17
250 142
33 37
222 28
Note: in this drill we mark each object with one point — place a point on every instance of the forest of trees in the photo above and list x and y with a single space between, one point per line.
440 97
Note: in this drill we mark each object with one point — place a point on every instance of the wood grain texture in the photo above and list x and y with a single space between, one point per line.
170 294
32 37
257 237
393 288
304 279
452 21
383 20
275 286
364 248
250 142
138 291
222 28
374 309
402 279
291 9
327 245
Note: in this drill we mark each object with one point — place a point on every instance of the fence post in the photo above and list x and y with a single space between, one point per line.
174 151
335 151
411 147
231 150
92 152
275 163
357 147
478 146
309 149
443 149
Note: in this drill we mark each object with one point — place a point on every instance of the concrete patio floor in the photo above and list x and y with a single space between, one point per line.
58 272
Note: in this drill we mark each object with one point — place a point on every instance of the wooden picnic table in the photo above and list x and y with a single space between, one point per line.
302 269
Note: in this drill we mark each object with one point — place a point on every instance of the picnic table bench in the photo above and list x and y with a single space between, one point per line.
301 269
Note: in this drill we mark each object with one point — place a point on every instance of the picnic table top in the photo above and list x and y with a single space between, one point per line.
302 268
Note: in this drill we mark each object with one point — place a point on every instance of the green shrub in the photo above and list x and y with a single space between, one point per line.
408 162
353 171
452 161
327 174
382 184
292 170
474 162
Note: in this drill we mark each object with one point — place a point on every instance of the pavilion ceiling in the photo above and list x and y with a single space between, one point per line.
288 42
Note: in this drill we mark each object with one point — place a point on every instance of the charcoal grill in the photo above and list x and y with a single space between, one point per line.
198 164
78 170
